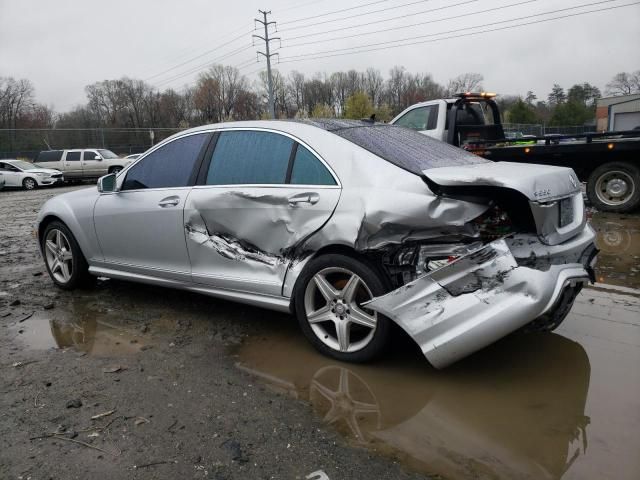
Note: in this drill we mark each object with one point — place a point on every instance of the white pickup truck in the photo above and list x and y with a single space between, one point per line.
608 162
79 164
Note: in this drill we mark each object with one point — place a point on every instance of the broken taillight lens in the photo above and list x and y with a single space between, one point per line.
493 224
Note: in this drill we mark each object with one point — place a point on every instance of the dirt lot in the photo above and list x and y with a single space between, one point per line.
142 382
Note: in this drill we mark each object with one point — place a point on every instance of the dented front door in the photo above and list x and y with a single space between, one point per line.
264 193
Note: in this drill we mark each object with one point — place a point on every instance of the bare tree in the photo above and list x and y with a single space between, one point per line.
466 82
624 83
372 84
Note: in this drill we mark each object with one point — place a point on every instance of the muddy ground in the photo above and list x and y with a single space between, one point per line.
143 382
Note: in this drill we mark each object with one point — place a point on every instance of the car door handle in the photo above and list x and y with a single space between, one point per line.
307 197
169 202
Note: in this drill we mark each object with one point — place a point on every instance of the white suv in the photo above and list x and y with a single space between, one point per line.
82 163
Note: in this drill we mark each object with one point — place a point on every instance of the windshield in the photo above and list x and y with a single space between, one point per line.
107 154
23 165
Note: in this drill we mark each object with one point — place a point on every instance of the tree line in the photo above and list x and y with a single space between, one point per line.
222 93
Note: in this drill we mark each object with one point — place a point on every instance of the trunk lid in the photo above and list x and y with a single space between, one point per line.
550 197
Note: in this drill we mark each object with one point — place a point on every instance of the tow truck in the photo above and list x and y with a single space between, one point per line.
607 162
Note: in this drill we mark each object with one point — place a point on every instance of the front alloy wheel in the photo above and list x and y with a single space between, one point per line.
29 184
65 261
59 255
330 310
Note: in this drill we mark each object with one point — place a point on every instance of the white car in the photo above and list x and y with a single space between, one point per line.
18 173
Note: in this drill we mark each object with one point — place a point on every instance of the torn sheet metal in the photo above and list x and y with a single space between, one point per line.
474 301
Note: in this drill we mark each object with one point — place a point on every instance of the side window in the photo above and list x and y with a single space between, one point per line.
249 157
73 156
3 166
89 155
308 170
169 166
421 118
49 156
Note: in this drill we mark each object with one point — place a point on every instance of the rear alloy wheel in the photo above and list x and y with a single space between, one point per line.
615 187
330 311
29 184
115 170
64 259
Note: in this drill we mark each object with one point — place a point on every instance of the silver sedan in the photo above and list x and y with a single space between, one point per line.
348 225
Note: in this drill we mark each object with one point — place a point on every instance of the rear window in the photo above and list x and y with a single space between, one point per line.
407 149
49 156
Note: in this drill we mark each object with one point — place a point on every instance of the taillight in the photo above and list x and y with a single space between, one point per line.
494 223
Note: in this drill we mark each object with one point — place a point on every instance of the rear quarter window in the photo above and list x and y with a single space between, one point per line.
49 156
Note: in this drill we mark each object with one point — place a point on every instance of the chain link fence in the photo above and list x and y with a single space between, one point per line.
27 143
540 130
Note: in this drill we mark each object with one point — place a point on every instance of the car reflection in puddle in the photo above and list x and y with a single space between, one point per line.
618 238
508 412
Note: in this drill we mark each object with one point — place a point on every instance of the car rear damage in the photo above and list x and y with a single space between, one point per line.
533 253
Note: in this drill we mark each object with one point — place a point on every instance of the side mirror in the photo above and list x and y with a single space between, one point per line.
97 157
107 184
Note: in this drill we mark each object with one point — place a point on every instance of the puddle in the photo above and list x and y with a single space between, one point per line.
83 330
619 243
543 406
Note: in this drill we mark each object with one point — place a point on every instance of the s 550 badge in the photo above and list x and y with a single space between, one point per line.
542 193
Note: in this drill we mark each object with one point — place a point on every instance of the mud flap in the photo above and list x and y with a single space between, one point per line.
474 301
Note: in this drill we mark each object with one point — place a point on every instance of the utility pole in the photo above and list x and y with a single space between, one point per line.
268 55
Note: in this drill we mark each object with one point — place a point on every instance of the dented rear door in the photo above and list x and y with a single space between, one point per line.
263 194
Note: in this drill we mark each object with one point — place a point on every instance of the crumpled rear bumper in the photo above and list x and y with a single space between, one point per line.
485 295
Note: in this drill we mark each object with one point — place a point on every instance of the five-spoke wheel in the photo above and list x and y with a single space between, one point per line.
333 305
331 311
65 262
58 255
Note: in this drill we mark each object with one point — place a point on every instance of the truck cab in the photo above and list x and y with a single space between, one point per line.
468 118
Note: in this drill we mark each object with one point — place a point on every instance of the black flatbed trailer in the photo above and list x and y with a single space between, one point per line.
608 162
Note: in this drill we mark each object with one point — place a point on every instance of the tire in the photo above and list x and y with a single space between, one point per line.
338 309
615 187
29 184
115 170
71 270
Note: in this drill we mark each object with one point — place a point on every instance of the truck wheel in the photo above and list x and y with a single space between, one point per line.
115 170
615 187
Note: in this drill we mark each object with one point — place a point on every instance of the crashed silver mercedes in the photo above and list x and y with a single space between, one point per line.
349 225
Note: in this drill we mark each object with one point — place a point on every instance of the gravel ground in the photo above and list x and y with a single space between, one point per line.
169 401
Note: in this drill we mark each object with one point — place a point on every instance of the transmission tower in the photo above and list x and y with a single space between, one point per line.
267 54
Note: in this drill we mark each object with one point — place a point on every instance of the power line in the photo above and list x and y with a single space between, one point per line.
318 56
334 12
454 31
295 7
183 51
414 24
203 66
356 15
199 56
384 20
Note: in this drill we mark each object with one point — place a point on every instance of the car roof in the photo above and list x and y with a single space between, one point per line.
9 160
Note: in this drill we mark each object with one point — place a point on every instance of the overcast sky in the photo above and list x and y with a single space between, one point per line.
63 45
